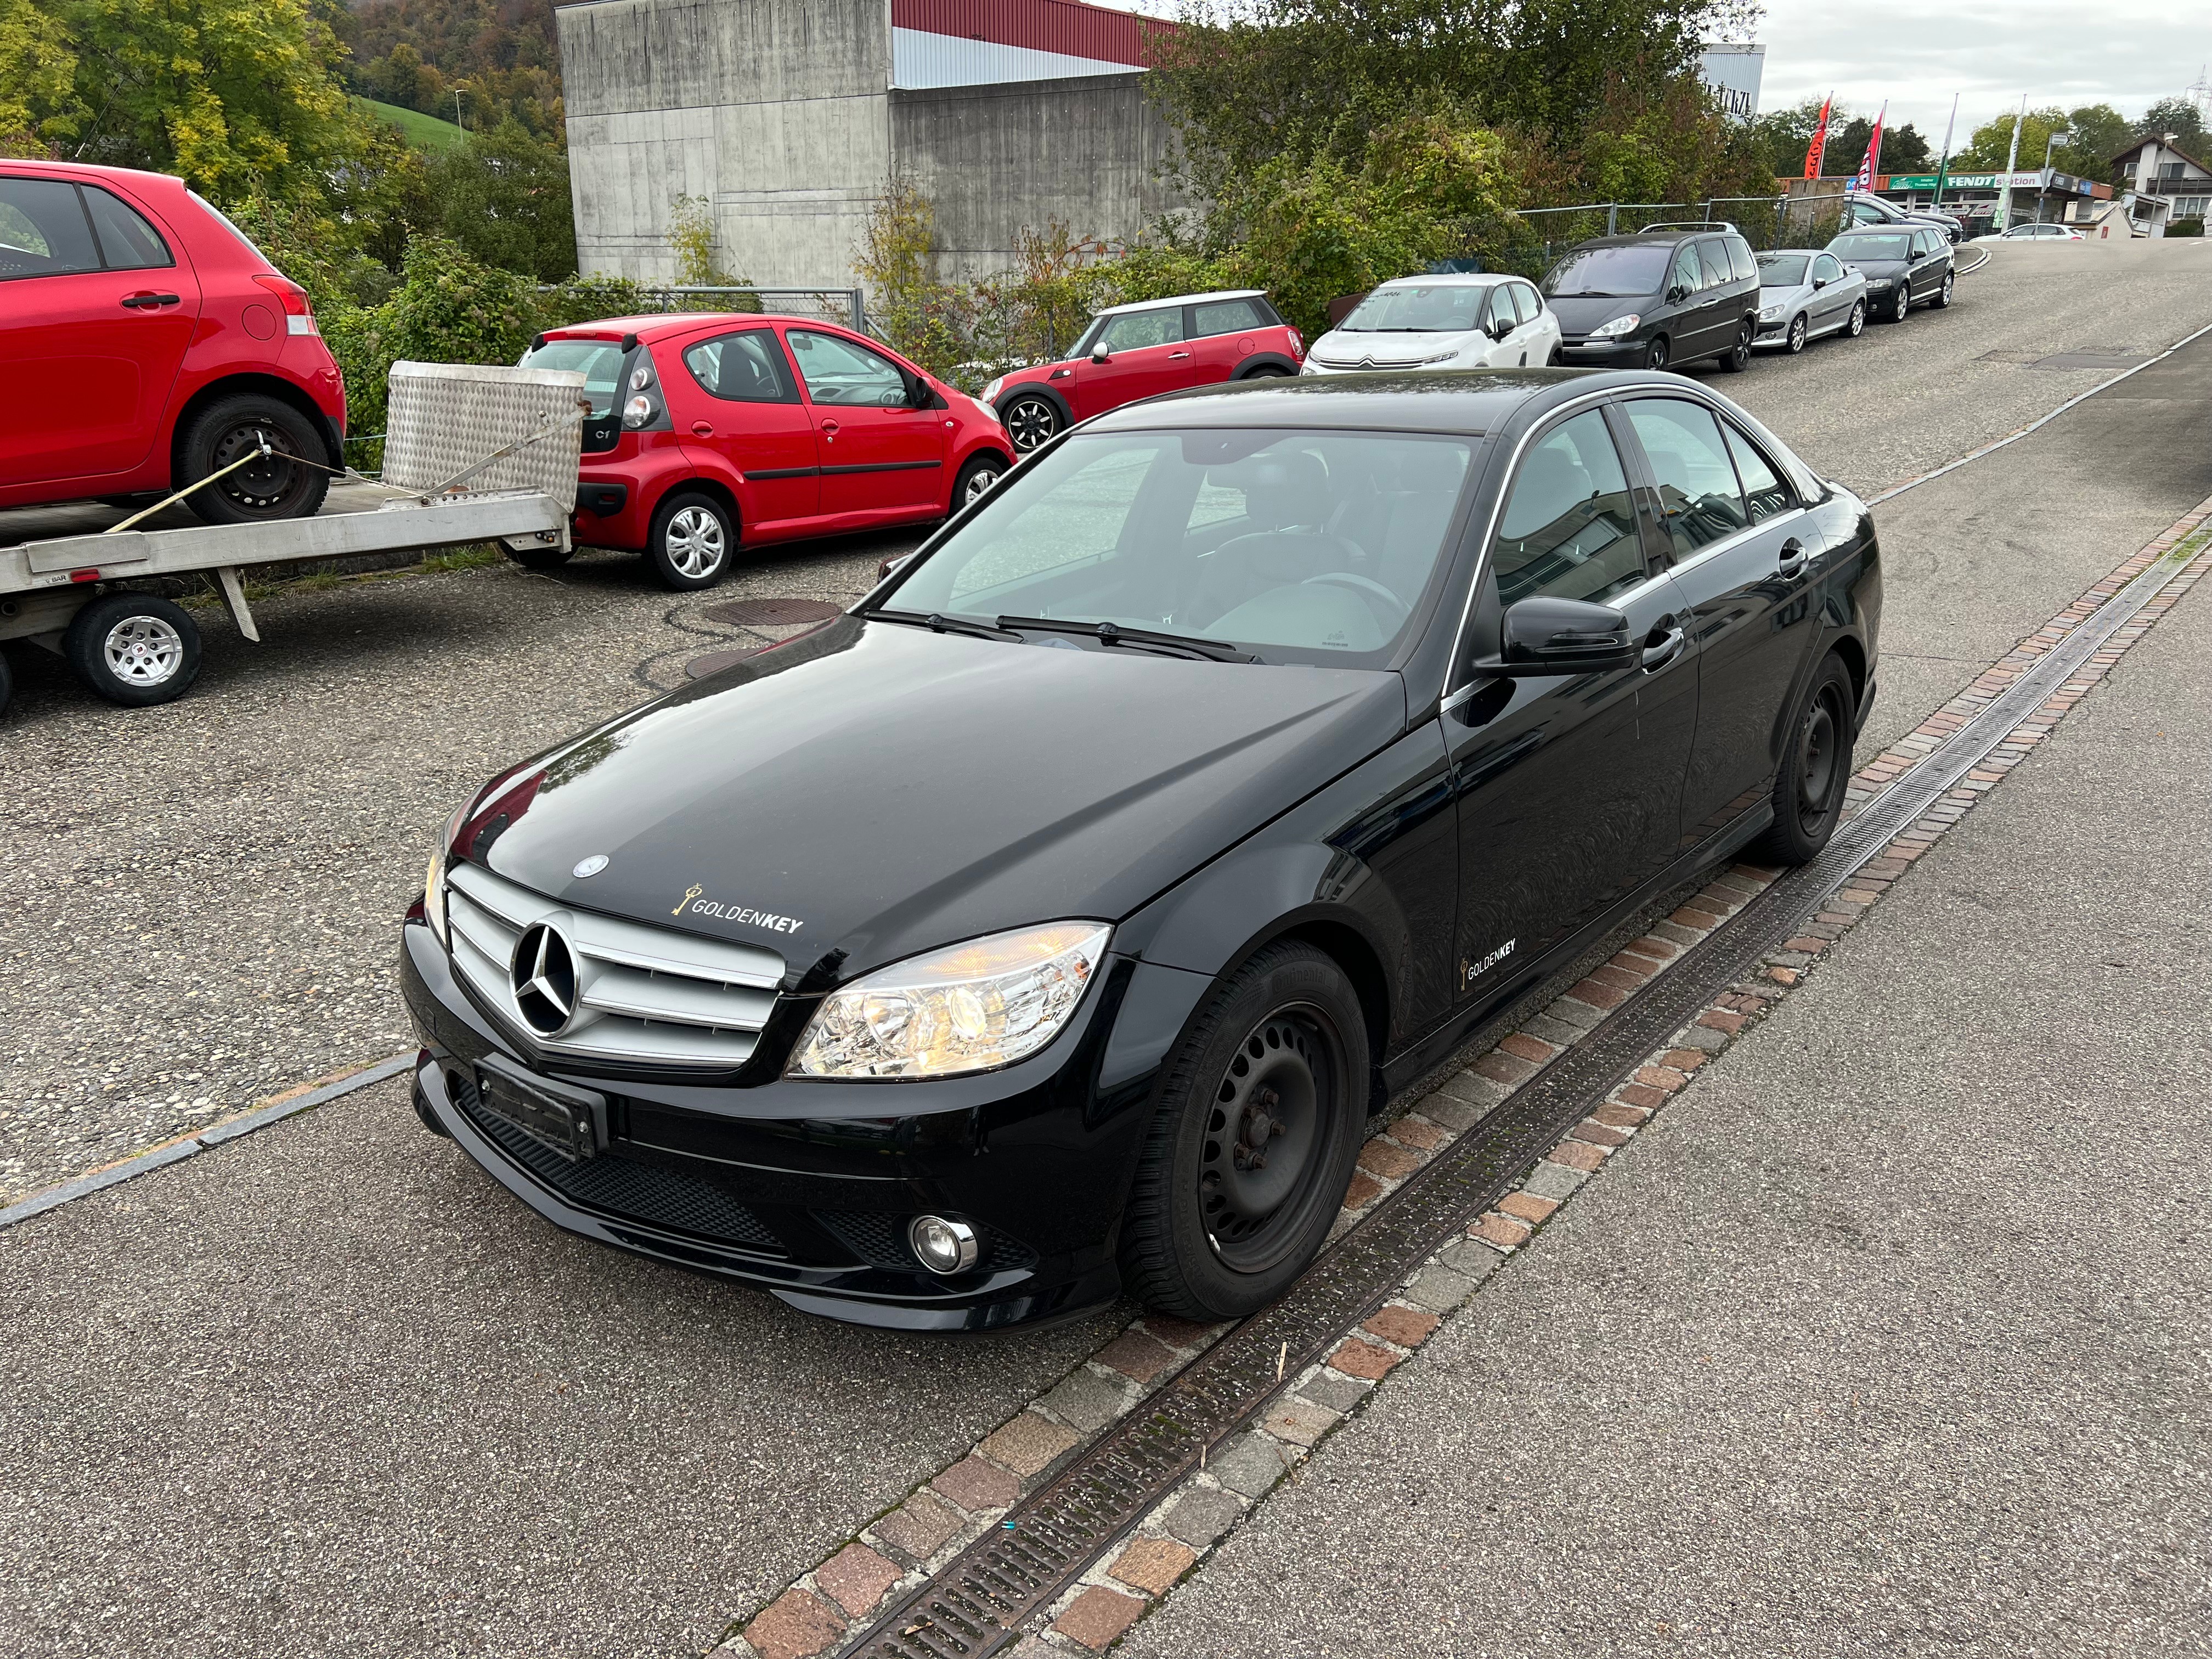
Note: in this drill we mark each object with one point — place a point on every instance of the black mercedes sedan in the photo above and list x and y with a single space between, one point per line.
1049 924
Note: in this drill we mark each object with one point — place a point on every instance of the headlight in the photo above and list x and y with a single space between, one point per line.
1772 313
1619 325
434 879
1448 356
990 390
970 1007
1876 284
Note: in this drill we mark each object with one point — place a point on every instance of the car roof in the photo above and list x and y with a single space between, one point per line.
1453 279
1655 238
1183 299
659 325
1464 403
1790 253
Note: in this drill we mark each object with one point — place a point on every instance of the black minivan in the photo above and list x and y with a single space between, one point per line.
1666 295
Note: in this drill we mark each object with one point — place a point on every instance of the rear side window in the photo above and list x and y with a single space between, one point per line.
1697 481
1525 297
1131 331
1718 267
1226 317
744 369
1740 259
1570 529
43 229
127 242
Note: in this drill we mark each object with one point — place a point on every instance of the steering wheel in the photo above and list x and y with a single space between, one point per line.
1395 610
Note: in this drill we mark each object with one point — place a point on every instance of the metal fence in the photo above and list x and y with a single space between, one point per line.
1538 235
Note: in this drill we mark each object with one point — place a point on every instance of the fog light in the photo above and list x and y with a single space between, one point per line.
944 1247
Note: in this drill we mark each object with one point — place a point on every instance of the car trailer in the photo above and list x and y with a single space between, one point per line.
473 454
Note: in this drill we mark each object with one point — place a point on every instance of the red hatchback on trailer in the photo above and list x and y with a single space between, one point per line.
1142 350
710 431
148 344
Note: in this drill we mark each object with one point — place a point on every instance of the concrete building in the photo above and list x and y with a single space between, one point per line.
791 116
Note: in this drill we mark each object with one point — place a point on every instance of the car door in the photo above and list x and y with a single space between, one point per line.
735 399
1221 334
1689 303
1726 304
1741 567
1567 788
97 310
1146 354
1831 303
1540 329
881 452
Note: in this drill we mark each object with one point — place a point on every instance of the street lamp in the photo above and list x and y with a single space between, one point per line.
2049 144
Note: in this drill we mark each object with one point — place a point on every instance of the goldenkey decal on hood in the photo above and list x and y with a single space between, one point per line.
706 907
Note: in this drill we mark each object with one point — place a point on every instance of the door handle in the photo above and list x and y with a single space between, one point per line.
1661 648
829 432
700 429
147 301
1172 355
1793 557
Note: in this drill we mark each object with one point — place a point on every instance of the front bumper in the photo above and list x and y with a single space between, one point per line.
805 1188
1604 353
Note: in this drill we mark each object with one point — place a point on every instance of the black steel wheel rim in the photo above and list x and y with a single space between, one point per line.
1029 422
264 482
1819 758
1269 1127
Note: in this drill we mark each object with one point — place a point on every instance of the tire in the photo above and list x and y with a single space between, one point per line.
1942 300
7 685
1555 359
976 480
541 558
133 649
1815 771
1738 358
1032 420
1900 305
1208 1236
1857 327
1270 372
693 541
1794 340
263 490
1654 354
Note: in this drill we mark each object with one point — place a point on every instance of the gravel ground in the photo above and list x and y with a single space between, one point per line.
197 903
1888 1337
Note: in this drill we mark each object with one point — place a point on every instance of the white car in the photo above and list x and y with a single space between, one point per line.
1486 321
2035 234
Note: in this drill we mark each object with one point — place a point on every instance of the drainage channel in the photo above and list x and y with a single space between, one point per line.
978 1603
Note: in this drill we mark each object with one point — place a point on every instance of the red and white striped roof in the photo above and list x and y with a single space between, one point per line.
966 43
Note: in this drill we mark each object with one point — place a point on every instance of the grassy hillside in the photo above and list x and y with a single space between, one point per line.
423 131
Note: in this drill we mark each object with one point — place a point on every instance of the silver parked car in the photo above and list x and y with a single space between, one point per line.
1804 294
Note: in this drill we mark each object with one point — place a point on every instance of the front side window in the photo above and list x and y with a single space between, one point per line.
841 371
1825 269
43 230
1315 547
1226 317
1570 527
1133 330
742 368
126 241
1687 276
1697 481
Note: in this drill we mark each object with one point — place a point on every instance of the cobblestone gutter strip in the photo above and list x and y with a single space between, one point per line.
826 1611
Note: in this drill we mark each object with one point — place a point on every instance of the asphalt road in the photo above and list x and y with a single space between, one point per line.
1887 1338
309 1387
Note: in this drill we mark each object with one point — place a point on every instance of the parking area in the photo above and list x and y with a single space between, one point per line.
416 1420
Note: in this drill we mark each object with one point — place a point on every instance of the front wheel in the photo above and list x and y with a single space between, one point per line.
1030 420
133 648
1795 341
541 558
1815 771
692 539
976 480
1901 303
1737 358
1942 299
1654 354
1245 1165
1555 359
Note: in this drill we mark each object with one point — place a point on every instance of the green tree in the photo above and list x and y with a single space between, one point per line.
503 197
38 77
2094 134
2178 116
1783 135
2099 132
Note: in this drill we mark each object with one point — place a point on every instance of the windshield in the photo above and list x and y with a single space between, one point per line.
1871 244
1610 273
600 360
1302 546
1437 308
1781 270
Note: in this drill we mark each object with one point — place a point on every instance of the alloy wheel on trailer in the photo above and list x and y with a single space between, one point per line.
1266 1136
143 652
1030 421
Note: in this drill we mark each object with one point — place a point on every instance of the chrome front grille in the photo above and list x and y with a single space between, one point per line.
639 995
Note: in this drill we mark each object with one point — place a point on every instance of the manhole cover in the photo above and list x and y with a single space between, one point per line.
713 663
2109 363
2009 356
772 613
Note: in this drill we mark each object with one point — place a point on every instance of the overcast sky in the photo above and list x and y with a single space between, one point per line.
2127 53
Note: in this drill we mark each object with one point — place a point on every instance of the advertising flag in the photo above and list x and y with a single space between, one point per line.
1868 168
1818 149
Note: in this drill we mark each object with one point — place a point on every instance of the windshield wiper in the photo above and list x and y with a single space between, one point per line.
1113 633
938 624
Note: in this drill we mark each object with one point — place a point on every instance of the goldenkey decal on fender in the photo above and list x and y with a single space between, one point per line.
751 918
1471 971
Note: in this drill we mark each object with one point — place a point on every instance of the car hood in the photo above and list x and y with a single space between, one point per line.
1392 350
1786 293
1580 316
873 789
1874 267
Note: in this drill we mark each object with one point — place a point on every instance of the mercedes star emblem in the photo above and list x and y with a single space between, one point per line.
590 867
544 978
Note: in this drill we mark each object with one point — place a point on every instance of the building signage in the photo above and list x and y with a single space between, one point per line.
2063 182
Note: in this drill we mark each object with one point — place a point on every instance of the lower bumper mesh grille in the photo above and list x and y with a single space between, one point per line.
879 1240
624 1187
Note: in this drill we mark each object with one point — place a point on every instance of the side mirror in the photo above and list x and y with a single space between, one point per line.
1677 294
1544 635
1819 282
1098 354
1914 257
1500 328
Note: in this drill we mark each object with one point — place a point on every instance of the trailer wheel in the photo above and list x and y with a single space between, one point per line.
7 683
134 649
541 558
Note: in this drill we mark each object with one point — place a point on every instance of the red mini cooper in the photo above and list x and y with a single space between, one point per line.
711 430
1140 350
